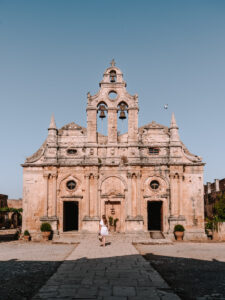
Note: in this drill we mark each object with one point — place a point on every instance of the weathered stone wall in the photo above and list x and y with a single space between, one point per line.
112 174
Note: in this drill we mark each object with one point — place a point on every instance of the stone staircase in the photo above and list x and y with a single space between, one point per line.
72 237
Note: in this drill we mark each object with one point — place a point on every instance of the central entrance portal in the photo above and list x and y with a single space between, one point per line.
113 210
70 215
155 215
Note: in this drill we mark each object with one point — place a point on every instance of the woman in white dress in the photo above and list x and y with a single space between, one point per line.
103 229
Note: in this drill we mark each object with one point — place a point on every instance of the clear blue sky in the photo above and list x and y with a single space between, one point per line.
53 52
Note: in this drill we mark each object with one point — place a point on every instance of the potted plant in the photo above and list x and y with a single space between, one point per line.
26 235
111 227
114 223
179 232
46 230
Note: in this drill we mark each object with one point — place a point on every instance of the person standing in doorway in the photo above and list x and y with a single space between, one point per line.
103 229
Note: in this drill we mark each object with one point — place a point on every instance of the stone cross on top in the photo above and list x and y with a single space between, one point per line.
113 63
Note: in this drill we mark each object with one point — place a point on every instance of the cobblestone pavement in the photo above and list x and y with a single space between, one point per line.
193 270
115 272
26 266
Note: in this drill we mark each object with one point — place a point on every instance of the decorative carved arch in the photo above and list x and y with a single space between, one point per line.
117 176
67 176
155 177
123 102
102 102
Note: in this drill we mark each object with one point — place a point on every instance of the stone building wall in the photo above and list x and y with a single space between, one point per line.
146 178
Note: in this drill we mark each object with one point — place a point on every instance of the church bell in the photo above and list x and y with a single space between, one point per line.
102 114
102 111
122 115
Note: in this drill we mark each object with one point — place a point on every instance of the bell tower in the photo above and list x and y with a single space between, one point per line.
112 98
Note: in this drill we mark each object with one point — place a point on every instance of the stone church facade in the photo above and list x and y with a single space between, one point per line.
146 178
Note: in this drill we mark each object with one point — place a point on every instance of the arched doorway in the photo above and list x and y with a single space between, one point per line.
112 202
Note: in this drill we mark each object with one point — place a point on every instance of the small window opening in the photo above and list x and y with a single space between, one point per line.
71 151
154 151
154 184
112 76
71 184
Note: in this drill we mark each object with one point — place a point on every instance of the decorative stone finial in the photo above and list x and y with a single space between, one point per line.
52 124
173 123
113 63
174 135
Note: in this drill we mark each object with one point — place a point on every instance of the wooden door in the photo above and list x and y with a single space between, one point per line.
113 209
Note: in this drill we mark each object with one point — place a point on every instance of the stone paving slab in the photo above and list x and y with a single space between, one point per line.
116 272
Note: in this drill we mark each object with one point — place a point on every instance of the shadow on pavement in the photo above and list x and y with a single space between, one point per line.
125 277
22 279
191 278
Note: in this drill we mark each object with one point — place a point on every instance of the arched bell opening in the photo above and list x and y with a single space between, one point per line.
102 118
122 118
113 76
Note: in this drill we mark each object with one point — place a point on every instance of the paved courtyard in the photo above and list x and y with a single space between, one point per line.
25 267
193 270
116 272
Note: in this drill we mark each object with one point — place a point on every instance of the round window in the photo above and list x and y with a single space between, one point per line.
154 184
71 184
112 95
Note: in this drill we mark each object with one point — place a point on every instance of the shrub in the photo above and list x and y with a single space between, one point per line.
209 224
115 221
26 233
110 221
46 227
179 227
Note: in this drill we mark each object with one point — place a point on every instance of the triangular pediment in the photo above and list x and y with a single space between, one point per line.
153 125
72 126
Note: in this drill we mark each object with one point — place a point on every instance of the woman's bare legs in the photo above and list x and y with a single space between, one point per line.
103 241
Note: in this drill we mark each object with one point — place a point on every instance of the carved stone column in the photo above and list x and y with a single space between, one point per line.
91 195
172 196
112 125
54 193
96 213
134 195
87 177
180 200
129 198
46 176
139 194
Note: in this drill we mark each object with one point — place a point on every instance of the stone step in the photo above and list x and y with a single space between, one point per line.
143 238
156 235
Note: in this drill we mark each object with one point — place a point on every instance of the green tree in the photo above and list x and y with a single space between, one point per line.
219 208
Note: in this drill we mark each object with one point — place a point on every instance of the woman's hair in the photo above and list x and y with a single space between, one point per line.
104 219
